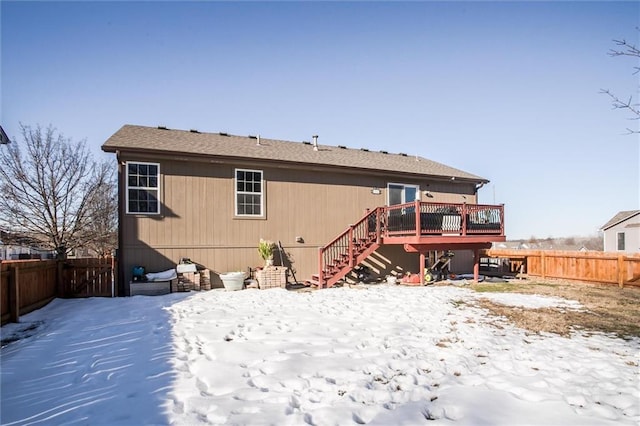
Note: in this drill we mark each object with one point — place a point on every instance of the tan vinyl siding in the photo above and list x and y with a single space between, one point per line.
197 217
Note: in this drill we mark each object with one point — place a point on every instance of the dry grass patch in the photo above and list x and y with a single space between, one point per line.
607 309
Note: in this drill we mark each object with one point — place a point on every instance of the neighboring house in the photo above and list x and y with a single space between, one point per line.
16 247
558 244
622 232
211 197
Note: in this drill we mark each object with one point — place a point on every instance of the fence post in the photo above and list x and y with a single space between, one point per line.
621 271
14 294
60 278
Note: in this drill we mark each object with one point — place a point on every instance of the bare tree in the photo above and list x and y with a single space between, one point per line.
624 48
49 189
101 233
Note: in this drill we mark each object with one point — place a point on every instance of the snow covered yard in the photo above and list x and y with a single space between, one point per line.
376 355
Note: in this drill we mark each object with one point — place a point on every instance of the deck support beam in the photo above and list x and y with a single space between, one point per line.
418 248
424 248
476 265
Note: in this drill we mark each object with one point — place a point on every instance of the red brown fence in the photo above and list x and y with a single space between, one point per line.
592 266
27 285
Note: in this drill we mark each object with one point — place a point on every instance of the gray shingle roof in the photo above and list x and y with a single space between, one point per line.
621 216
137 138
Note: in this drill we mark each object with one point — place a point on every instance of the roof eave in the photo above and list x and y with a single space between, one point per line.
608 226
228 158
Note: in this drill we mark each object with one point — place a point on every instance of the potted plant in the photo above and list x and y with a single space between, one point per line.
266 249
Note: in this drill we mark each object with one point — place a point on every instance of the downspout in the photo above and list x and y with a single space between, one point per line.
121 201
477 188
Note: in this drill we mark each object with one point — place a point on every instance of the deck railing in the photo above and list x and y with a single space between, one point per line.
443 219
421 219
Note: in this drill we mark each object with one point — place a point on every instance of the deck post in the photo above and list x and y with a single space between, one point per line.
379 212
351 247
476 265
421 267
417 209
320 268
465 214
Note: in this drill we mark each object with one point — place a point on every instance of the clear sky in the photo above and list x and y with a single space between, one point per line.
505 90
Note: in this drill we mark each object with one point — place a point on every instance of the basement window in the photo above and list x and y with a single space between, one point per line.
249 193
143 188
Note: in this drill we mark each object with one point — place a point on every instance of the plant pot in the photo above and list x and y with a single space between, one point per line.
233 280
268 262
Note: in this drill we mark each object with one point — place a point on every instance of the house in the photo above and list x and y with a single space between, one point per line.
211 197
622 232
4 139
20 247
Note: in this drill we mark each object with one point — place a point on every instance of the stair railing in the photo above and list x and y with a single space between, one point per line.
343 249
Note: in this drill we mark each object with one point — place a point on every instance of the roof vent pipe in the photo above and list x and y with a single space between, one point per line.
315 142
258 140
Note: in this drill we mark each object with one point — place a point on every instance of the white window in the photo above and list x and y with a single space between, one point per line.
143 188
398 193
621 241
249 193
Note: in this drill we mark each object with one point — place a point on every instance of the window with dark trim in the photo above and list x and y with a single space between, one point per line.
399 193
143 188
249 193
620 240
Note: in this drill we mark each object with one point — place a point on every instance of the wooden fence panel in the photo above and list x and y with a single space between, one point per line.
600 267
37 283
27 285
5 276
88 277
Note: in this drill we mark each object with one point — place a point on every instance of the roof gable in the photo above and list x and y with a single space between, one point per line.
162 140
620 217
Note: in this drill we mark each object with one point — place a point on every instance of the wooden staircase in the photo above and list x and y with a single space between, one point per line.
348 250
419 226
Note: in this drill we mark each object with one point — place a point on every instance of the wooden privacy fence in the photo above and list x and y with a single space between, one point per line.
27 285
591 266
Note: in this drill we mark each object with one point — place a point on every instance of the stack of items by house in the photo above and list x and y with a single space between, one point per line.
205 279
272 277
190 278
188 281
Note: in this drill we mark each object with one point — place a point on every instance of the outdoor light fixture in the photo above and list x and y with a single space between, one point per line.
376 191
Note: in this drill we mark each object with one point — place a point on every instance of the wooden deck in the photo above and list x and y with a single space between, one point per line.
419 227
